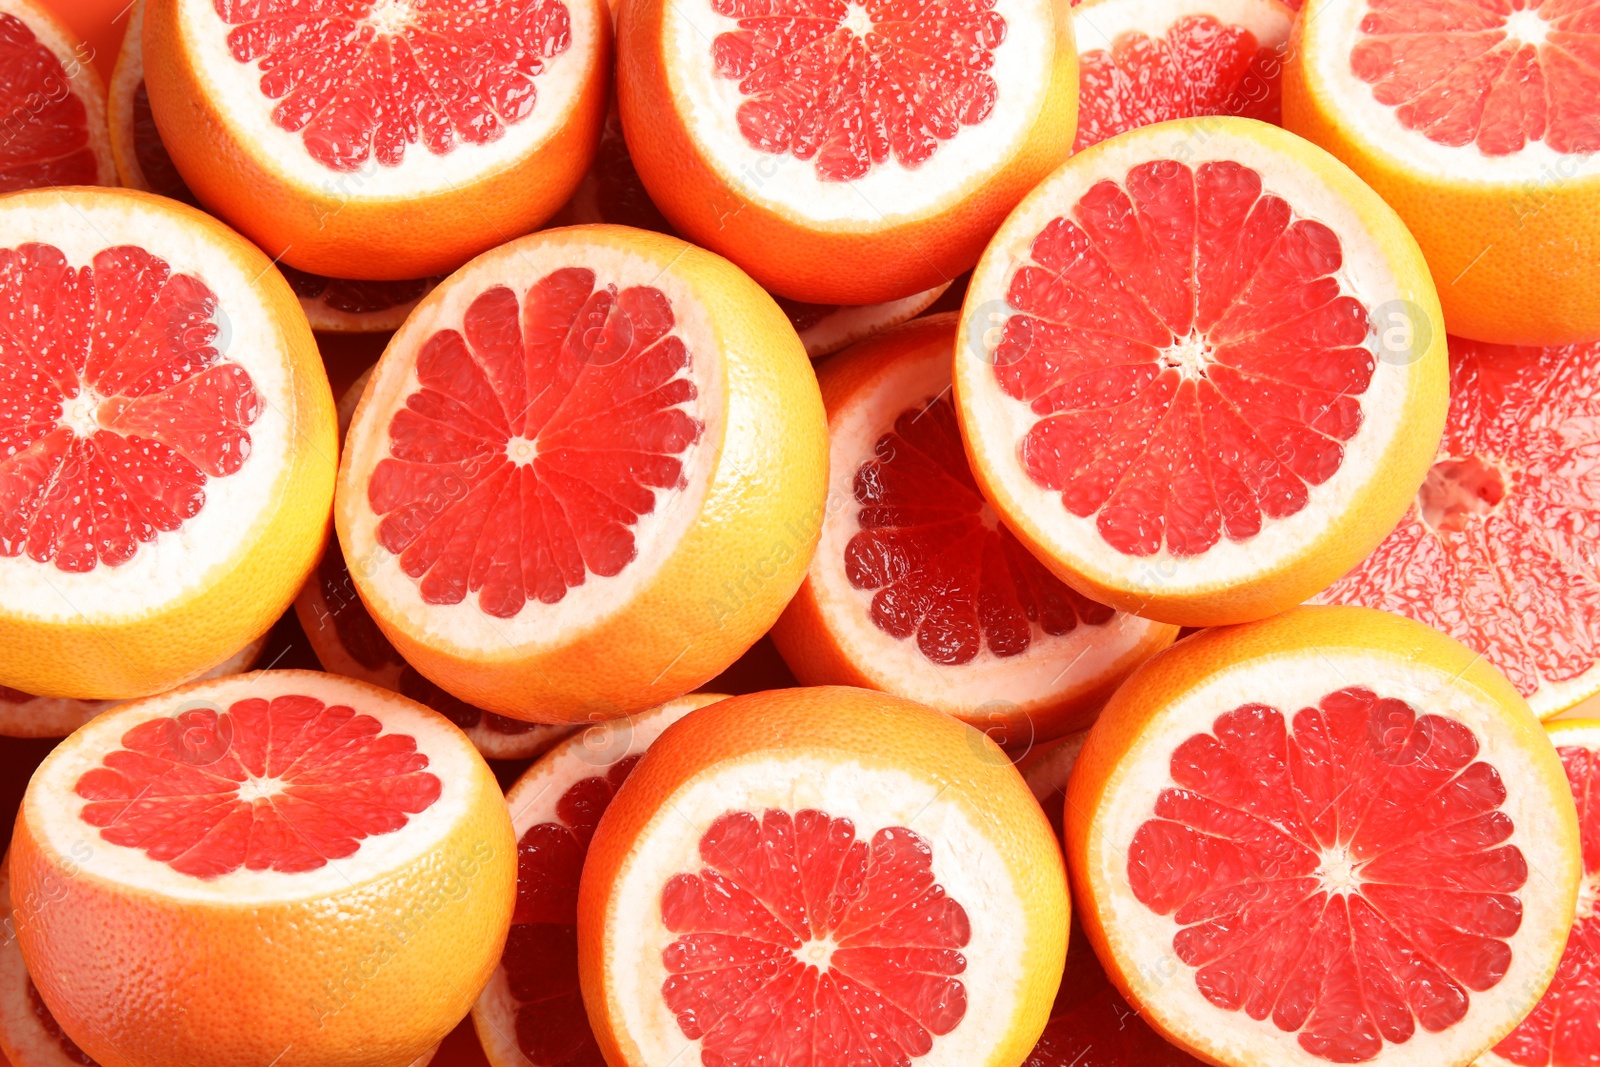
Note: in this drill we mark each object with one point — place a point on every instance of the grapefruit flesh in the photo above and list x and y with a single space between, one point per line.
48 128
48 1024
1498 549
129 411
345 297
156 168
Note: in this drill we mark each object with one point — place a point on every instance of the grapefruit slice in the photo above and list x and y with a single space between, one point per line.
827 872
843 153
531 1012
169 444
917 590
338 856
1477 122
1561 1031
1144 61
586 475
54 104
1496 549
1171 381
379 139
1334 836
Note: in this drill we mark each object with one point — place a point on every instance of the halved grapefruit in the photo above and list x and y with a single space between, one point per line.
917 589
1202 371
1333 836
169 444
1478 122
379 139
52 104
845 153
832 873
282 867
1498 549
587 474
531 1012
1144 61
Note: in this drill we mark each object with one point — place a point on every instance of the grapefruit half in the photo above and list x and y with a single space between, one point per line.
1333 836
52 104
1178 379
917 589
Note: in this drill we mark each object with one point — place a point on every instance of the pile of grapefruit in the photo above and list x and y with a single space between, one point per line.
800 533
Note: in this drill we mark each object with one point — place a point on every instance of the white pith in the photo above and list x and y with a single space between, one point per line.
996 424
175 563
464 626
1330 31
846 325
237 96
1098 23
1050 771
77 62
966 862
1052 667
52 807
889 194
1142 941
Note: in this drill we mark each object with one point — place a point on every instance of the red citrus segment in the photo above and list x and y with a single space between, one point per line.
1564 1030
47 1022
160 174
1498 75
1348 878
354 297
1192 354
371 77
285 785
47 126
796 935
945 571
546 430
1201 66
120 407
619 194
852 86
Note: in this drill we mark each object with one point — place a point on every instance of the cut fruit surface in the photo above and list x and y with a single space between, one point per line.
1476 122
828 147
53 102
916 589
1141 62
170 444
552 452
284 825
305 127
897 900
1329 823
531 1012
1169 379
1494 550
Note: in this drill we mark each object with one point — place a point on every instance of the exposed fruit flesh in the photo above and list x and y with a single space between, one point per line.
1348 878
1201 66
116 406
944 568
69 1048
160 173
365 78
284 785
1192 355
354 297
796 938
619 193
853 84
1499 74
45 126
1501 550
540 435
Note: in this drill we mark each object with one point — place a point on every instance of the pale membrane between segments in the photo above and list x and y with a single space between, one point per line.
1052 664
53 806
1330 33
236 94
656 534
889 193
1098 23
1003 422
965 862
180 561
1142 940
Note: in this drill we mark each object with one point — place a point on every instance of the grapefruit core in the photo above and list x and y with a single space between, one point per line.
52 104
1169 379
1334 836
585 476
310 130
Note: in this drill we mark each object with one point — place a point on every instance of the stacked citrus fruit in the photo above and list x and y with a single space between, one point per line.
1015 533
